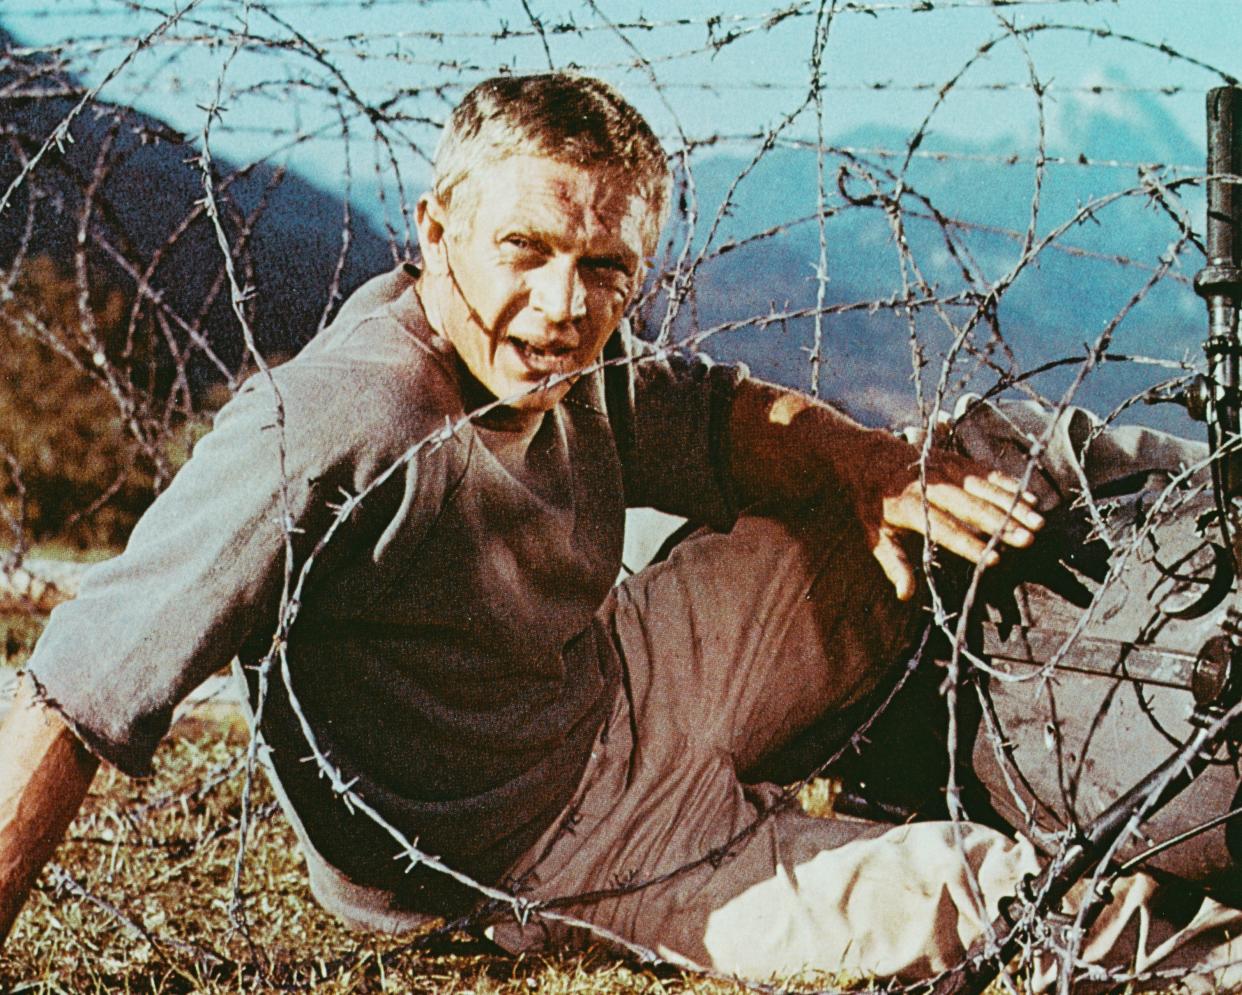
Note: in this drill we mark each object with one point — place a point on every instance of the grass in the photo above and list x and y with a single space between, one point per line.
18 632
69 552
20 629
162 853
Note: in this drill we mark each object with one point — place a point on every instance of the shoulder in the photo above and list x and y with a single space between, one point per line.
366 401
380 339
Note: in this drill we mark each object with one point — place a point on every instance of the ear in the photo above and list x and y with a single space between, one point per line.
430 216
640 278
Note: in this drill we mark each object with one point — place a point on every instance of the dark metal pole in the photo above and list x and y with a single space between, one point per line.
1219 283
1224 158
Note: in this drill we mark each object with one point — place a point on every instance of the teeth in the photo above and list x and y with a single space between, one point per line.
528 349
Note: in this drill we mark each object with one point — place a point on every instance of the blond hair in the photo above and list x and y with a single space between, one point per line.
573 119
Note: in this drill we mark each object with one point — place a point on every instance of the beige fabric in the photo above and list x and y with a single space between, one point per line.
727 649
1077 451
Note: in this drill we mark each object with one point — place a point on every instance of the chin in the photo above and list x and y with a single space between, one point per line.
539 400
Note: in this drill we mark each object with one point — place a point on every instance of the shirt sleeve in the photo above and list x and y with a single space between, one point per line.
670 411
206 563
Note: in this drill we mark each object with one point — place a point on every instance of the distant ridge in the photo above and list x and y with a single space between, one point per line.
152 183
1052 311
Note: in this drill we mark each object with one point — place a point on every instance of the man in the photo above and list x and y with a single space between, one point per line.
431 612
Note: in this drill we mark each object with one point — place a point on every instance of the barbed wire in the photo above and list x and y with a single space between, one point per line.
802 9
947 292
182 83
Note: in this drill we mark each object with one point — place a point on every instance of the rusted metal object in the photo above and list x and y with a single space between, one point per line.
1096 703
1134 693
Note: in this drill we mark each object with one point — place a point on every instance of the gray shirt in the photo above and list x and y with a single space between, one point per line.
443 649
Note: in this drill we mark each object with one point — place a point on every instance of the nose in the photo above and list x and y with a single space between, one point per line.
557 291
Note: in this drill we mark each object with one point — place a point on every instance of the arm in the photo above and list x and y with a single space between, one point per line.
202 570
44 775
787 447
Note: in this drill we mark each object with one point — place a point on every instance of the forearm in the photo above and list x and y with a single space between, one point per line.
44 775
788 447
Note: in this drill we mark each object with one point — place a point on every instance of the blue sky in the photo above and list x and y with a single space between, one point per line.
1108 100
874 65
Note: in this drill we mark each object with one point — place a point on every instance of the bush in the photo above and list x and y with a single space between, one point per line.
90 427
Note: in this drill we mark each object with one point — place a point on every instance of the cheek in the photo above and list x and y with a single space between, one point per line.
604 307
606 316
609 303
494 296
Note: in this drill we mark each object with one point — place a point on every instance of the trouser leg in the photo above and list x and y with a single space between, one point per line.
726 649
740 640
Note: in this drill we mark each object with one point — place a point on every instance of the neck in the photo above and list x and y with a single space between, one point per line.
429 296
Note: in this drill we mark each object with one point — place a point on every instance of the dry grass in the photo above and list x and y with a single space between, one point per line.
18 633
144 882
162 852
164 858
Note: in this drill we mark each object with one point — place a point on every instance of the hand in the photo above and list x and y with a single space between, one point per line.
965 505
789 448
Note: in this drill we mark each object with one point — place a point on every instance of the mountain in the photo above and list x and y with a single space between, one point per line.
1057 305
286 232
1054 309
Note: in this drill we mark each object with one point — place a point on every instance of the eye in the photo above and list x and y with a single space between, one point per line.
611 272
522 243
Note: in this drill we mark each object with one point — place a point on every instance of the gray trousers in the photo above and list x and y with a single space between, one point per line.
728 648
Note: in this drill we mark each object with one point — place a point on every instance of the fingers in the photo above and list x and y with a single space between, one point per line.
948 532
1002 491
988 508
1010 486
952 508
960 505
963 516
896 566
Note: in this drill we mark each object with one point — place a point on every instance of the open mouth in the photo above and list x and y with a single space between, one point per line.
544 360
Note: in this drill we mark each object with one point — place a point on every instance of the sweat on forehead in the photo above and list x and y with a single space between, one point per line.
577 120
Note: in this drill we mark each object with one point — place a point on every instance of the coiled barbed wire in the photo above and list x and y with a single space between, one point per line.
952 315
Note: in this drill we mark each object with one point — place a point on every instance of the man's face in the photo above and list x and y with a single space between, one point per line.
530 271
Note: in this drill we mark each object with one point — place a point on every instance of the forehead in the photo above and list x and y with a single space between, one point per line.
593 204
